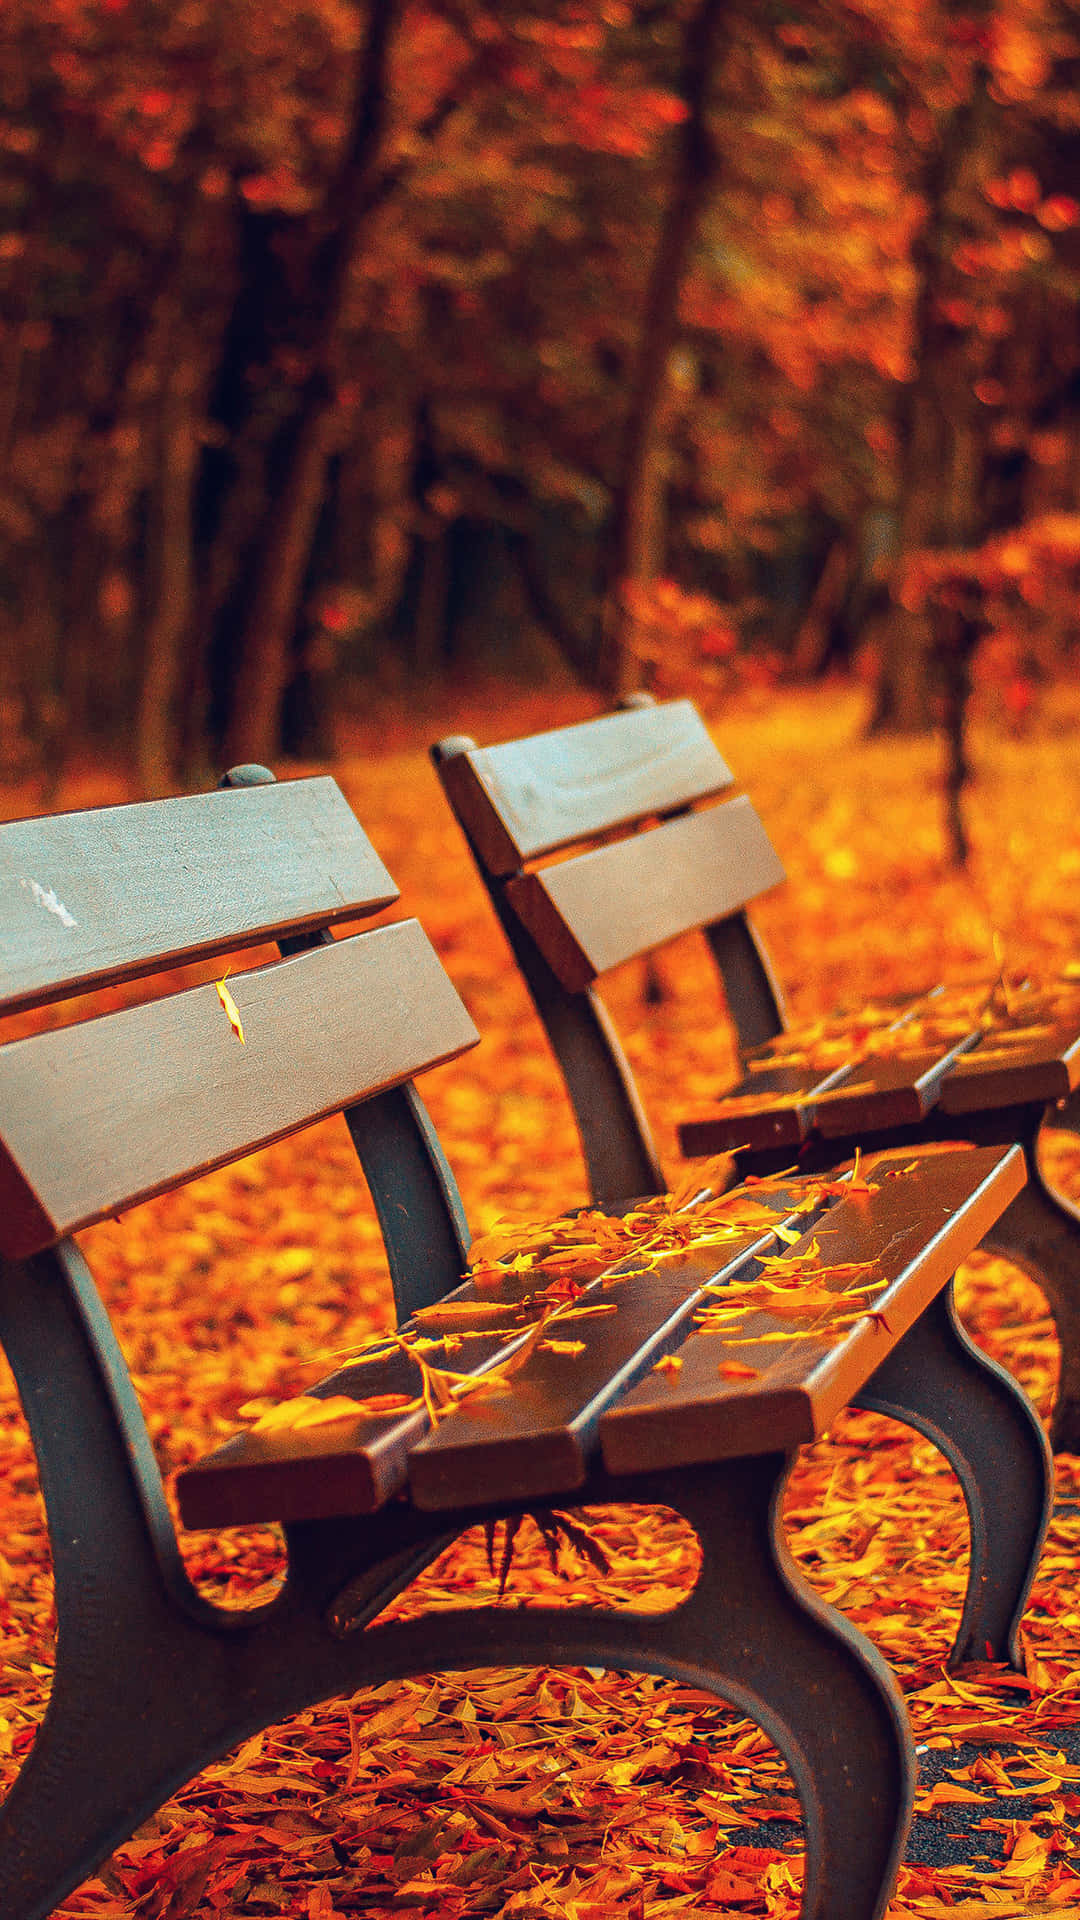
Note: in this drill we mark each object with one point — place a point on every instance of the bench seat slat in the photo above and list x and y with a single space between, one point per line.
740 1120
886 1090
997 1075
351 1466
917 1226
307 1053
534 1440
84 899
355 1466
877 1091
597 909
531 797
983 1071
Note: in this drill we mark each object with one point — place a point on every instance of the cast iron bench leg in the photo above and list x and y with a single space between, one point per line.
152 1682
754 1633
1040 1232
937 1381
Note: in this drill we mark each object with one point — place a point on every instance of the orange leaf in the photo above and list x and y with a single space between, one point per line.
669 1364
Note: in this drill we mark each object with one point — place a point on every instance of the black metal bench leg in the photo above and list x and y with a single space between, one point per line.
754 1633
151 1681
1040 1232
130 1649
937 1381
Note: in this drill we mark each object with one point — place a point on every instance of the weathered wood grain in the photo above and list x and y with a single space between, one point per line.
914 1229
536 1439
91 898
1001 1075
591 912
97 1116
533 796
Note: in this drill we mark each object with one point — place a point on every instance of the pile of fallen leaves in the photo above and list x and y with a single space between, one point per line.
585 1793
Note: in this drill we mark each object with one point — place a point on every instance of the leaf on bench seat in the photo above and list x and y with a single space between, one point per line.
232 1011
309 1410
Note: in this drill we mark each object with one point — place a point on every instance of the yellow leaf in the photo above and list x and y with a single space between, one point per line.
231 1010
309 1410
670 1364
459 1316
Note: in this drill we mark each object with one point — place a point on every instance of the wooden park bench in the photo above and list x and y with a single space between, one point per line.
153 1680
979 1065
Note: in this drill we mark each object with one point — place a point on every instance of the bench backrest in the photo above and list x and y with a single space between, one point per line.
130 1102
88 899
668 864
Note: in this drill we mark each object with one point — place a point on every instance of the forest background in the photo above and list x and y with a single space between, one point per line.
356 351
349 345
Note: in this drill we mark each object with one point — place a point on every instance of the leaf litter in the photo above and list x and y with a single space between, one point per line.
580 1793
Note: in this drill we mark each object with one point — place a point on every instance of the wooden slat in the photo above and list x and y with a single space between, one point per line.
764 1110
534 1441
352 1466
591 912
999 1074
916 1227
103 1114
357 1465
984 1071
91 898
886 1090
781 1106
530 797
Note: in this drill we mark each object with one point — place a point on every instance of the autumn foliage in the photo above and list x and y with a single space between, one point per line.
581 1794
390 338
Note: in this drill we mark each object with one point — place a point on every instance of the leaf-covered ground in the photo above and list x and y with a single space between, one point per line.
587 1793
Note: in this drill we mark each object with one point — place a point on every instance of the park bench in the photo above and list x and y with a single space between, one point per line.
152 1679
980 1065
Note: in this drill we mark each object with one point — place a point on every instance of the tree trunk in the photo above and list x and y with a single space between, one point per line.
263 648
259 667
928 430
171 576
636 536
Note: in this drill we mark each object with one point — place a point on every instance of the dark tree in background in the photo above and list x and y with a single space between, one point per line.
645 338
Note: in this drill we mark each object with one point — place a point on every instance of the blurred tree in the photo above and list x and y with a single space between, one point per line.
680 333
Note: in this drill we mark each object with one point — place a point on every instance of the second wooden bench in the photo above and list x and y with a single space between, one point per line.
979 1065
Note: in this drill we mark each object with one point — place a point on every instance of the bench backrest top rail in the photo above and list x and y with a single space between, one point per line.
535 1440
91 898
531 797
102 1114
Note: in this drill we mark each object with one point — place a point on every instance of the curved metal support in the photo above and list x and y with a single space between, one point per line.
754 1633
152 1682
938 1382
751 988
415 1195
1040 1233
616 1139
